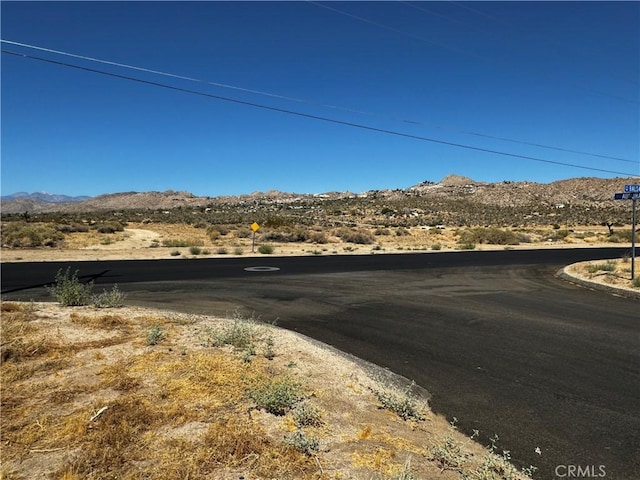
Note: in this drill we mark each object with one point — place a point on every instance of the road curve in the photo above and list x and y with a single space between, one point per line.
497 340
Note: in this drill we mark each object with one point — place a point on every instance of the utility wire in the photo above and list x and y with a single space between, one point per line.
309 102
457 50
315 117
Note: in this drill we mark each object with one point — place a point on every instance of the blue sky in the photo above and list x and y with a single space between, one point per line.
556 74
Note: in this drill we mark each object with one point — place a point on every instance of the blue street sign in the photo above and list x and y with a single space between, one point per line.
627 196
631 188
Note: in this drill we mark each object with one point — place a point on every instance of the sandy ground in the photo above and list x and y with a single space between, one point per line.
97 361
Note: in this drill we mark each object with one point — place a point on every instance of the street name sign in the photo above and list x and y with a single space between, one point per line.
632 188
627 196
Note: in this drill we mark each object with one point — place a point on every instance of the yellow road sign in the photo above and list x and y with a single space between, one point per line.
255 227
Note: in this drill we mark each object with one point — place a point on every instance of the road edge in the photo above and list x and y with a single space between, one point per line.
564 274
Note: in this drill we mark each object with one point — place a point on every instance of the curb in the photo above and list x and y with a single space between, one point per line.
620 292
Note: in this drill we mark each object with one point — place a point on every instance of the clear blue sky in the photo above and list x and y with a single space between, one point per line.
560 74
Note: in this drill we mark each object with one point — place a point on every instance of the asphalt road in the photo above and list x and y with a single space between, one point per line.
496 339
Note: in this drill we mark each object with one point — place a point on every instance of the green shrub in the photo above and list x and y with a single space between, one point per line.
69 291
239 333
302 443
110 299
194 250
402 403
605 267
265 249
155 335
305 415
23 234
276 396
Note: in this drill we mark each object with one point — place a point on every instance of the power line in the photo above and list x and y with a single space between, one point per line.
309 102
315 117
457 50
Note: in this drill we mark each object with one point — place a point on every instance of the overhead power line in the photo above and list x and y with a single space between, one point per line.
310 102
315 117
458 50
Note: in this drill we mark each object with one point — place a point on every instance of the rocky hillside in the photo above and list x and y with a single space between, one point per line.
454 200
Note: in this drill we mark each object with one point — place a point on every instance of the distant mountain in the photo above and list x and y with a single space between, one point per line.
587 193
43 197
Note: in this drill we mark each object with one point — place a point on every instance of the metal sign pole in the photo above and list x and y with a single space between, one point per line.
631 192
633 241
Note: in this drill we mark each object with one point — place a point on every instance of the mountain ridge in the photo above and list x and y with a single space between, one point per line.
575 191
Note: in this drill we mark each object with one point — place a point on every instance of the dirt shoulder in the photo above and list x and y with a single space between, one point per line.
141 393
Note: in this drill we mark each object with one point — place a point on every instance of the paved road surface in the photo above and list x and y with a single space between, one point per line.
497 340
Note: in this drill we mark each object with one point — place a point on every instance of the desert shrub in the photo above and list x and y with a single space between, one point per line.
604 267
265 249
23 234
243 233
155 335
238 251
72 228
69 291
382 231
285 235
240 333
222 251
305 415
318 237
175 253
358 236
492 236
303 443
621 236
522 237
276 396
636 281
558 235
402 403
276 221
183 243
109 227
110 298
195 250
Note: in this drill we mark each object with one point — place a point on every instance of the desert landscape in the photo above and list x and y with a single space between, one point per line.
101 390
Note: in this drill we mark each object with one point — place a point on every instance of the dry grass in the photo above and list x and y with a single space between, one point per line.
615 273
84 396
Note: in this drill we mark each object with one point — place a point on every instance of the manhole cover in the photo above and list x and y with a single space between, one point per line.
261 269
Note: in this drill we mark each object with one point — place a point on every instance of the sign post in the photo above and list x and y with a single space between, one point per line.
255 227
631 192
